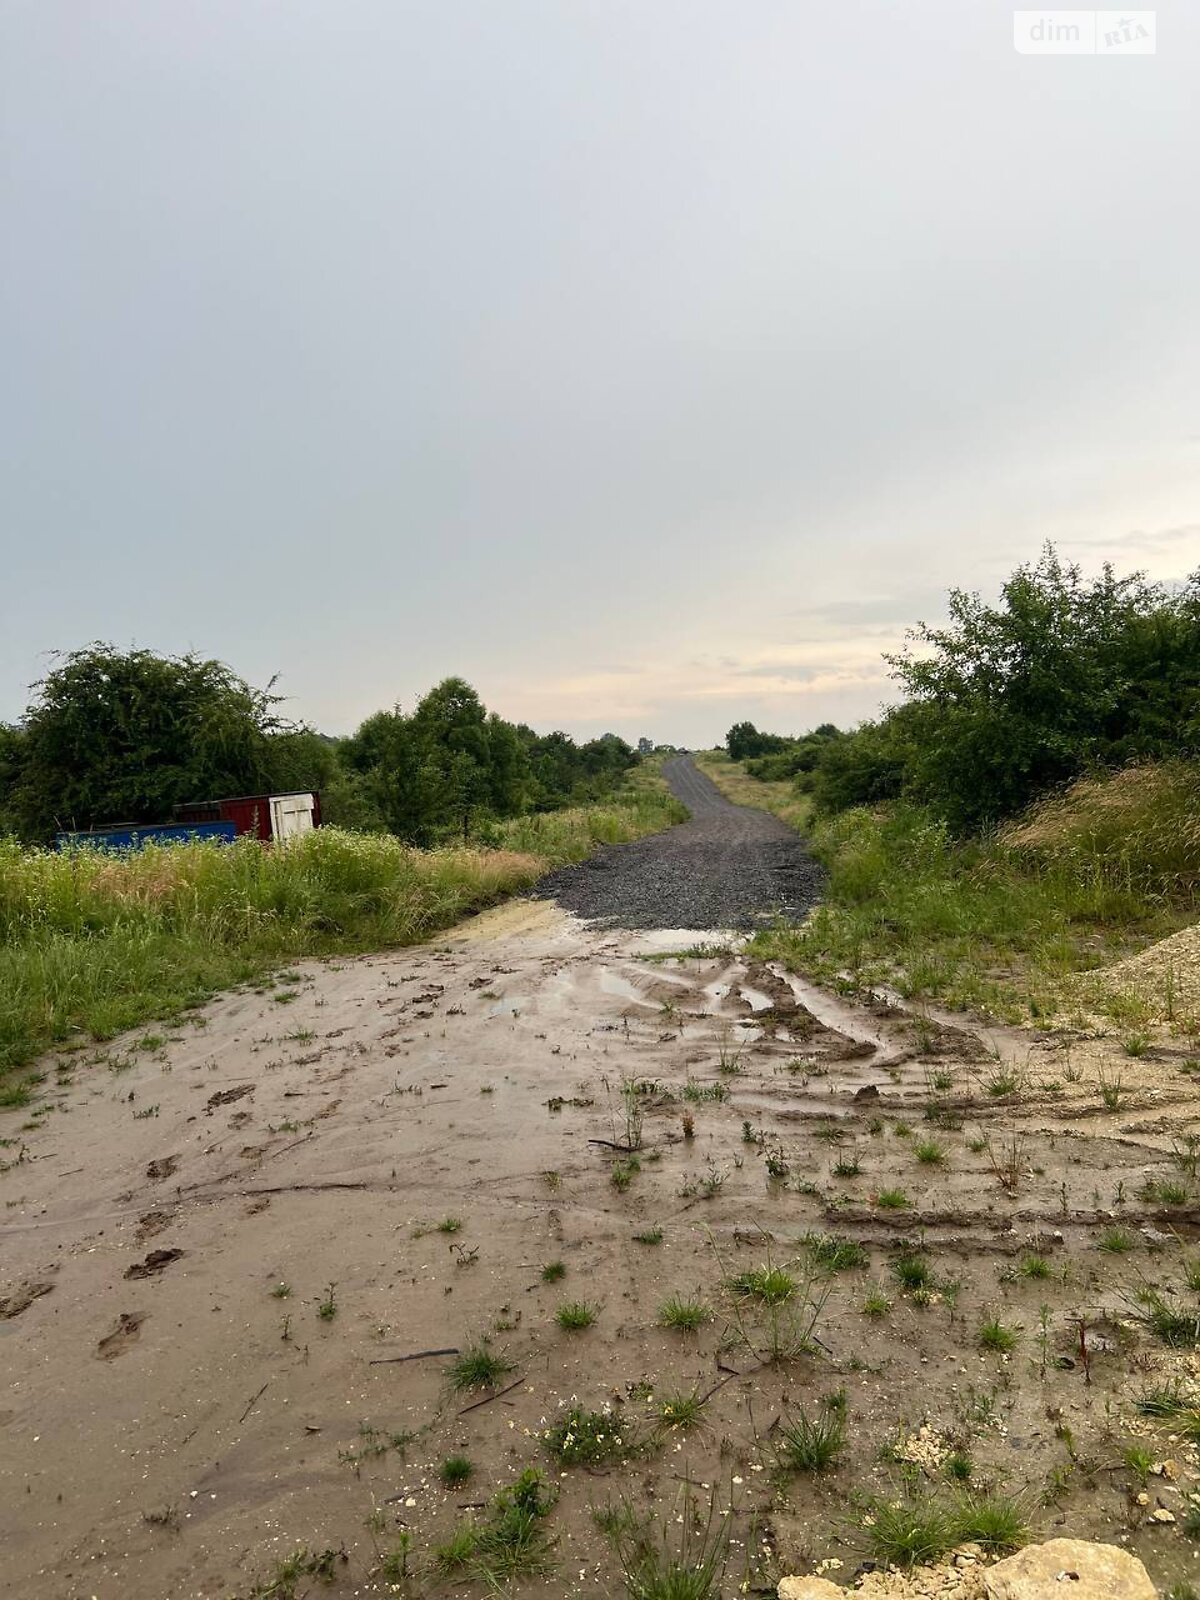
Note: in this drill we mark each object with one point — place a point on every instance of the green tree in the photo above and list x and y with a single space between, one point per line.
744 742
12 755
1062 675
125 736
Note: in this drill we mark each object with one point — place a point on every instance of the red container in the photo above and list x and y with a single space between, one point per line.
249 813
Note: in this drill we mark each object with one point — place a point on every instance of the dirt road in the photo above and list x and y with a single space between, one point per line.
226 1253
727 867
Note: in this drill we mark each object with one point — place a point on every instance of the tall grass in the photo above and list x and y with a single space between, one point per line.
1000 922
92 944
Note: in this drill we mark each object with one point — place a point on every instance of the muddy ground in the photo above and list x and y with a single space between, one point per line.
174 1424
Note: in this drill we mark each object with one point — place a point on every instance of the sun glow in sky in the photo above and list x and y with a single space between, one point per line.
651 363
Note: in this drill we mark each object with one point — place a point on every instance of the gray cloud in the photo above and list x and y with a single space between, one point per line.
376 341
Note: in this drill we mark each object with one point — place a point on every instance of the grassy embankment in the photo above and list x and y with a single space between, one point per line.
1006 924
92 944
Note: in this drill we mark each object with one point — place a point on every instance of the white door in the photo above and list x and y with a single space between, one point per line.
291 814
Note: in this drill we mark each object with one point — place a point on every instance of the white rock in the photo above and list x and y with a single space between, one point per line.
1073 1567
809 1589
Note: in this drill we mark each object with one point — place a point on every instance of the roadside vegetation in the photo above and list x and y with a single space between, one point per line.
93 944
115 736
436 814
1026 814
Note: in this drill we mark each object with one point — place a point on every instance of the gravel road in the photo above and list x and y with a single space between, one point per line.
728 867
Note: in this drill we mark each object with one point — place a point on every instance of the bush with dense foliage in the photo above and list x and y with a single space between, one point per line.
1006 702
126 736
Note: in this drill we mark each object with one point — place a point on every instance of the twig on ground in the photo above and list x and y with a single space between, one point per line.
488 1398
416 1355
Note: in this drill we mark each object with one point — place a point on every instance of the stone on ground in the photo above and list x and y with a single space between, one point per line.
1059 1569
1076 1567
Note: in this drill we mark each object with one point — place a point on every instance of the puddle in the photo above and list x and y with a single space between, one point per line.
835 1013
674 941
755 998
509 1006
613 983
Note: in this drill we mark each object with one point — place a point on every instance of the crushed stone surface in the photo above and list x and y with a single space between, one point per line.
727 867
1165 977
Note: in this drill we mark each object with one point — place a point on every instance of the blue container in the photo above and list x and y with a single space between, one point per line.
135 835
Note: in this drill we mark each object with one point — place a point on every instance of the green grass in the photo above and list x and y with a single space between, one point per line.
685 1561
831 1254
649 1236
455 1470
478 1367
992 1520
876 1303
682 1410
997 1336
575 1315
913 1272
812 1444
909 1532
1170 1323
1009 924
587 1438
509 1543
291 1571
772 1285
892 1200
1165 1399
1117 1241
92 945
554 1272
686 1316
624 1172
923 1527
458 1551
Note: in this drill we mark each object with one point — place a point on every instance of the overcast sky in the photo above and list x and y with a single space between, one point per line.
651 363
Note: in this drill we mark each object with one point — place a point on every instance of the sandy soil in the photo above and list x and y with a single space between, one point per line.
172 1426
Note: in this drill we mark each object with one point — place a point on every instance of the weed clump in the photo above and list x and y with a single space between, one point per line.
921 1528
478 1367
681 1410
510 1543
1169 1322
455 1471
586 1438
876 1302
831 1254
574 1315
284 1584
813 1444
772 1285
686 1561
913 1272
684 1315
998 1336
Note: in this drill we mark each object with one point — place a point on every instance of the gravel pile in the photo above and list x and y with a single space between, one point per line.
728 867
1164 978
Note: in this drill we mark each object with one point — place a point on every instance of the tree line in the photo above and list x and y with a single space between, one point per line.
1008 701
126 736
